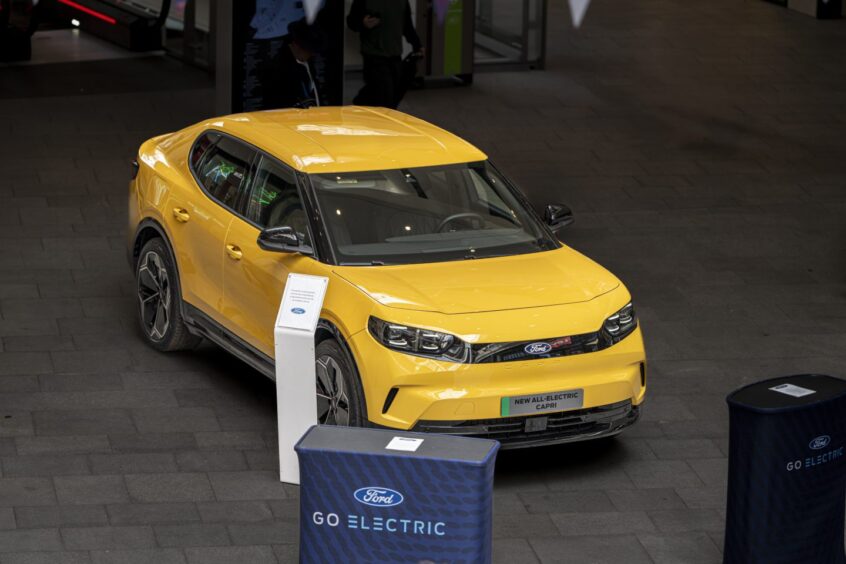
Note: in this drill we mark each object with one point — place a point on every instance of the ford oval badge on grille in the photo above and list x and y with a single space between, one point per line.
378 497
819 442
537 348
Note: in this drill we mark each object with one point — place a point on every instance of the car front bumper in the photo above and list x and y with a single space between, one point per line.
538 430
409 392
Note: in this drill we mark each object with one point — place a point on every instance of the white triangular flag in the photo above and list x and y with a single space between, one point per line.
578 9
311 7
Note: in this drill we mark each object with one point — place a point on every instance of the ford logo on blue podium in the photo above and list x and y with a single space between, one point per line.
537 348
378 497
297 310
819 442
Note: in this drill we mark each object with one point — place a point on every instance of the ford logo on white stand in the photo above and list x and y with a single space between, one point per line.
819 442
537 348
378 497
297 310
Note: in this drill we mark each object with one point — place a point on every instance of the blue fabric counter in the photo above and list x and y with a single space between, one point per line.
787 472
372 495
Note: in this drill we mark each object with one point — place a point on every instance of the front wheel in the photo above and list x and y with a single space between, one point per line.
340 400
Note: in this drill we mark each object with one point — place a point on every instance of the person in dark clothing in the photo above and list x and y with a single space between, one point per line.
304 43
287 77
283 74
382 24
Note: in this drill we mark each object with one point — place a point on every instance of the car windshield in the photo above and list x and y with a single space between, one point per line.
430 214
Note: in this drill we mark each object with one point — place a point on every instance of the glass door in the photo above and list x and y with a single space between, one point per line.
188 32
187 27
510 32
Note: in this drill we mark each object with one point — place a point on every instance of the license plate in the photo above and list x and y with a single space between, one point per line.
546 402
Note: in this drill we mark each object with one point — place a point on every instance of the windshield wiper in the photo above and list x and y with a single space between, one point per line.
475 256
371 263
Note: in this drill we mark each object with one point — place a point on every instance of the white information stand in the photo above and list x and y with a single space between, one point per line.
296 404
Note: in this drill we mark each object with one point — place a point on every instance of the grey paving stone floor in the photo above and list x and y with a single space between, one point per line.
703 148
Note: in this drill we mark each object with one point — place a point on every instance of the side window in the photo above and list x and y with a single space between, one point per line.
201 146
223 170
274 200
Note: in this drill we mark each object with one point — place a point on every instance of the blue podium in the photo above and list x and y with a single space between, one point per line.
372 495
787 472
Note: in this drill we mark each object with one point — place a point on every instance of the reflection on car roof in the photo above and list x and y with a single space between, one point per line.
348 139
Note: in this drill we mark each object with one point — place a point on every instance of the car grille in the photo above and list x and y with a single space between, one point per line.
560 346
567 426
482 353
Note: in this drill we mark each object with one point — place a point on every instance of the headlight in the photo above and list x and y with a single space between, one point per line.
619 325
420 342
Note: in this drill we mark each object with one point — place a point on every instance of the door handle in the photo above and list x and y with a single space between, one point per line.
234 252
181 215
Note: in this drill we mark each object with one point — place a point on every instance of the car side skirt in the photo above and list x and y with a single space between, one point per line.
203 325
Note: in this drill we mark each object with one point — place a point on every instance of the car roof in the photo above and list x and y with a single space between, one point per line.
347 139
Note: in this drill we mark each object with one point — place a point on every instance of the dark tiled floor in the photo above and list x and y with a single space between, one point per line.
702 146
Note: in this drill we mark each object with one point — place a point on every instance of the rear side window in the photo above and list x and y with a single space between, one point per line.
201 146
223 170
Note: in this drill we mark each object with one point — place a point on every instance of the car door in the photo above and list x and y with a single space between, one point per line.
201 218
254 279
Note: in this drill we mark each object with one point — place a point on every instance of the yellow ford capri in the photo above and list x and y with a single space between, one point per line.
452 307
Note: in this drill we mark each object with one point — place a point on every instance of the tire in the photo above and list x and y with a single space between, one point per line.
160 300
340 399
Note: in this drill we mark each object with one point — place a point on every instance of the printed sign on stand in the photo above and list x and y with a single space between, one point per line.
296 404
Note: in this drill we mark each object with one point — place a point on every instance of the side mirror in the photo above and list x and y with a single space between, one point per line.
558 216
282 240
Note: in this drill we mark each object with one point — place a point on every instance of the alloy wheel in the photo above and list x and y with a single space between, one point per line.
154 296
333 405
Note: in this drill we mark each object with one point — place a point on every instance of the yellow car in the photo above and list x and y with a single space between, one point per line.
452 307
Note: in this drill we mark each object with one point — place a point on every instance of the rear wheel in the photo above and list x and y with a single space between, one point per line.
157 289
340 400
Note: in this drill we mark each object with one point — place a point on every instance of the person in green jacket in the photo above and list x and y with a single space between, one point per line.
382 24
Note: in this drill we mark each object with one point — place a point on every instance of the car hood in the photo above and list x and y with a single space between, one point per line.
556 277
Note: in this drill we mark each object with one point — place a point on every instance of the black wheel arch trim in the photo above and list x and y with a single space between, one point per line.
335 333
134 253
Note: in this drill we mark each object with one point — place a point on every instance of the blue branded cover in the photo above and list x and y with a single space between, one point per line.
787 472
361 502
